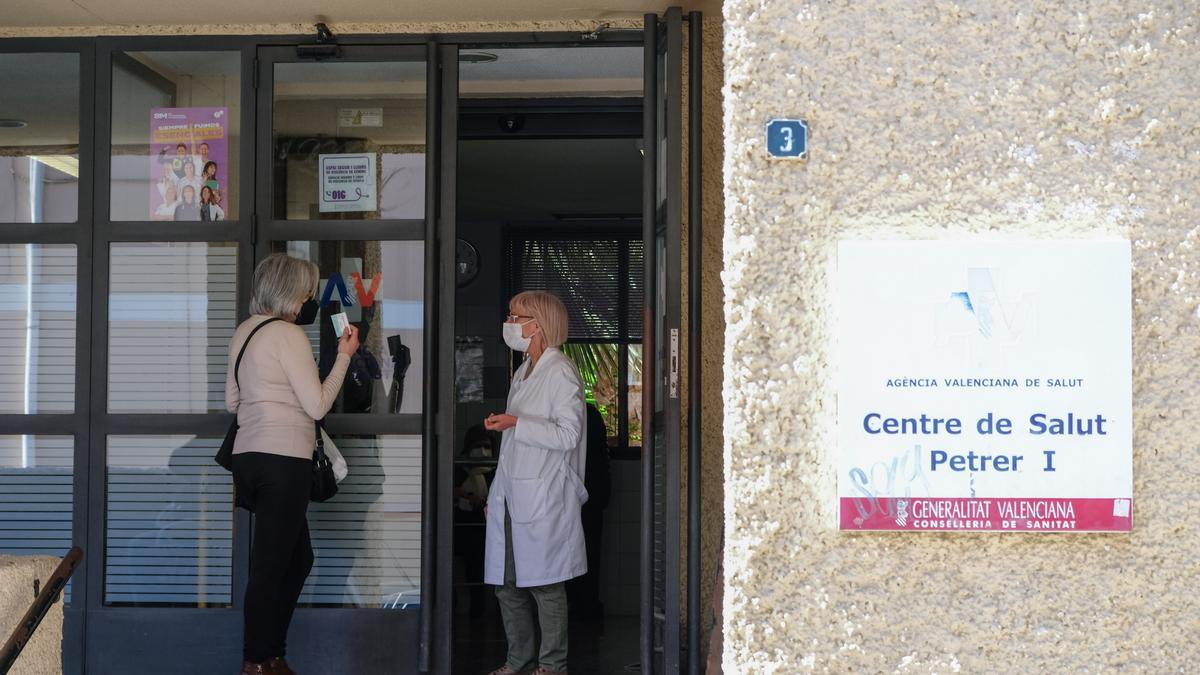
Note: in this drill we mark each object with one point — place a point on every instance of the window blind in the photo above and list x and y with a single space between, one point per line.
36 474
367 539
35 494
586 273
37 328
169 522
172 312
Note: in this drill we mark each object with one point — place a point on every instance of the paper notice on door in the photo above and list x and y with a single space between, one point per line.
348 182
360 117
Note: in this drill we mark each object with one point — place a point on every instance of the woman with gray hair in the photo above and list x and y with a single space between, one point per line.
534 531
277 394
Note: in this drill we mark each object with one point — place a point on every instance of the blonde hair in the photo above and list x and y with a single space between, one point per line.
281 284
548 310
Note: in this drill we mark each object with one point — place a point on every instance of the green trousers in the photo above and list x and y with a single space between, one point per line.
520 627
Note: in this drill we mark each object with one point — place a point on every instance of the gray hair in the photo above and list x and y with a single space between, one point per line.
281 284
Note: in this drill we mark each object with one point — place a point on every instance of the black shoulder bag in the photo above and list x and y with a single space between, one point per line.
225 453
324 484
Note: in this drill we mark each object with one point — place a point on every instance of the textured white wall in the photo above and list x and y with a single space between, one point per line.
940 120
43 654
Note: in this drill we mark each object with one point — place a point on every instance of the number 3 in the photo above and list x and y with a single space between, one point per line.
788 138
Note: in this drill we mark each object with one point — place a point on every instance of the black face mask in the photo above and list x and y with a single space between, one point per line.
308 312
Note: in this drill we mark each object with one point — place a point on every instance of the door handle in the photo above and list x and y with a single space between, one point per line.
674 379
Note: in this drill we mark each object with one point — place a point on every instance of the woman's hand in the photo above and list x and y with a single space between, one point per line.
348 343
499 422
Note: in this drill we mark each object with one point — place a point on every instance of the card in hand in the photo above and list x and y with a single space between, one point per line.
339 323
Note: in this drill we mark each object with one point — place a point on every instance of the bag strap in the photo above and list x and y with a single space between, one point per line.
245 344
319 449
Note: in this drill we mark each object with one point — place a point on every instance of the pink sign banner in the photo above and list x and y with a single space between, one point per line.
963 514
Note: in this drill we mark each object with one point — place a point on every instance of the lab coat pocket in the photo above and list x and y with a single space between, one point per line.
529 462
528 499
575 487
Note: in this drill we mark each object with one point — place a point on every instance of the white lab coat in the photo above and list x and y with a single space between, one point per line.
540 477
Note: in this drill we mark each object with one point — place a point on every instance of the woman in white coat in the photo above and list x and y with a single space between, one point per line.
534 531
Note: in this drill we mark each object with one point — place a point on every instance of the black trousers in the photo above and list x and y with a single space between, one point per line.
276 489
584 592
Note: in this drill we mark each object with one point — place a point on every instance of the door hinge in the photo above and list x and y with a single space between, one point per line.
674 383
254 75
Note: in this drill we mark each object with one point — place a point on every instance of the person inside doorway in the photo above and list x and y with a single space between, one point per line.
584 592
534 530
472 482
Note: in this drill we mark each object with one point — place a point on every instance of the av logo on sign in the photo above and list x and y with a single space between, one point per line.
787 138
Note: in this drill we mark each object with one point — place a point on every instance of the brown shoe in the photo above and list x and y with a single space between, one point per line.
279 666
250 668
506 670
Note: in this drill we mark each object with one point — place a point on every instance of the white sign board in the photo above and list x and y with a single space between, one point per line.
348 182
985 386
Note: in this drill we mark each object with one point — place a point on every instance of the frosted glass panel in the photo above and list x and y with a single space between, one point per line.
37 328
367 539
169 522
172 310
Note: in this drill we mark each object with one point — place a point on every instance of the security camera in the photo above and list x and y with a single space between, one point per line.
512 123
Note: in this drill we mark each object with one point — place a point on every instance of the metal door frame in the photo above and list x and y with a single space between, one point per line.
79 234
103 634
108 627
661 645
362 629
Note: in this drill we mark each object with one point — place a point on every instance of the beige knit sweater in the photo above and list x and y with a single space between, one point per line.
281 393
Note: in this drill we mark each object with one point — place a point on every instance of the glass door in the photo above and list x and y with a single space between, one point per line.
344 160
667 343
662 216
168 267
46 225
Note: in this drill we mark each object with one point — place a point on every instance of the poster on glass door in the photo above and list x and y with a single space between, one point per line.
985 386
348 182
189 151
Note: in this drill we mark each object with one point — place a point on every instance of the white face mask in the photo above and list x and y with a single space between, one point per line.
513 337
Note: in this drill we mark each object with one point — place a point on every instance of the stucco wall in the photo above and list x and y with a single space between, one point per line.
712 326
19 576
943 120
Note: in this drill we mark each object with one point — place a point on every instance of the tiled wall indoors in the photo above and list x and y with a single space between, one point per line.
619 574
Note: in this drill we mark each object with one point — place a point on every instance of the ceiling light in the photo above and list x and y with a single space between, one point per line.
13 124
477 57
